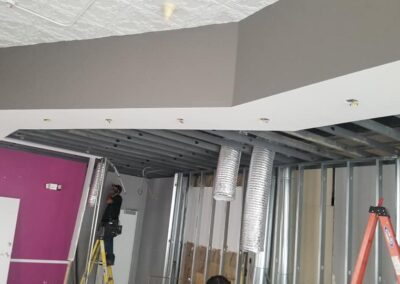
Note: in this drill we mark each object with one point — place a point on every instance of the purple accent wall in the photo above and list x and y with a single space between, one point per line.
26 273
46 218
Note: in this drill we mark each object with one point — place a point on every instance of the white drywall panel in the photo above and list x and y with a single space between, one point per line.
364 197
123 246
219 225
9 213
155 231
235 218
206 216
190 220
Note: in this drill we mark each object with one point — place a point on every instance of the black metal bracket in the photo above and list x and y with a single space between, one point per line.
379 210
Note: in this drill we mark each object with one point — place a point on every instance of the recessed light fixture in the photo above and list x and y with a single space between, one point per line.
46 119
353 102
180 120
109 120
264 119
169 9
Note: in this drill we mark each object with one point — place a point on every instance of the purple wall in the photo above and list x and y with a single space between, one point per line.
46 218
27 273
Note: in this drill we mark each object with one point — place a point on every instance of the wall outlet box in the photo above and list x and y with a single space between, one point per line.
53 186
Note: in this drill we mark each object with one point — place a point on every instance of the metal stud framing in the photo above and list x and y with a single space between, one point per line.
285 227
377 249
239 258
322 224
380 128
350 135
268 237
346 150
398 199
210 237
167 152
170 151
279 138
272 146
135 134
197 226
70 142
227 206
348 224
275 243
299 209
175 229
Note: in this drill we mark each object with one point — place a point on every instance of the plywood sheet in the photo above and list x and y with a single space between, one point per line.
213 266
200 258
229 270
186 267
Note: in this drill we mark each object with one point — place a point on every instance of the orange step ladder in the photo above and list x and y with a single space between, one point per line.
376 214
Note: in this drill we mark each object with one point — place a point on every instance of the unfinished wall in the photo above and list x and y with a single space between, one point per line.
154 233
309 239
133 199
198 234
309 226
46 219
365 180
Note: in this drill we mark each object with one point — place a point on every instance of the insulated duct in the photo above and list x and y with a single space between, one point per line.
227 172
257 197
97 182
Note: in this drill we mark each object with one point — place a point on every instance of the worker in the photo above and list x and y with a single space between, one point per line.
110 221
218 279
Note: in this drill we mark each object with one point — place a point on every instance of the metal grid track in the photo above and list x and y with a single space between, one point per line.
161 153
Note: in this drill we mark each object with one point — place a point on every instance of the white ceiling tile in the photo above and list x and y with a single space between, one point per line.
113 17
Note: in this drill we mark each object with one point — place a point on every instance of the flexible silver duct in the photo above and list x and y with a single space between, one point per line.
97 182
227 172
257 196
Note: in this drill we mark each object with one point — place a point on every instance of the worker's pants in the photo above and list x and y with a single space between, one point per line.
109 247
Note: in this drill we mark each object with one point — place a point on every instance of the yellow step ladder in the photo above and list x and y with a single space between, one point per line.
99 255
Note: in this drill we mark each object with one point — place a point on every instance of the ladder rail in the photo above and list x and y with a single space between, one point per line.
365 250
99 254
376 214
391 244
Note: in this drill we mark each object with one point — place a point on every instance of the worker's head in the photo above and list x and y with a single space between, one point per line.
116 189
218 279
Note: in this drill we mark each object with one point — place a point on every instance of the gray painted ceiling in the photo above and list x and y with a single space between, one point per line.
160 153
25 22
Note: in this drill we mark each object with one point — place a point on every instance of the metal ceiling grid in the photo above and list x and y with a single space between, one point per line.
161 153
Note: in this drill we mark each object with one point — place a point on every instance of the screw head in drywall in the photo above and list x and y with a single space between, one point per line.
264 119
353 102
46 119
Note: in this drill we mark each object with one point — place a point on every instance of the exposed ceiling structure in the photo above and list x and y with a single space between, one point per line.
159 153
25 22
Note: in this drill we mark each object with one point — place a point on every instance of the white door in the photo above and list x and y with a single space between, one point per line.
123 247
8 221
